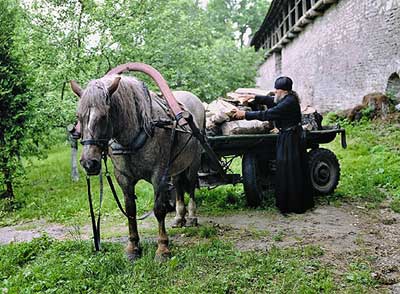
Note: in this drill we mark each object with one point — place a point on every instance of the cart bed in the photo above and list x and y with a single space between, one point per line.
240 144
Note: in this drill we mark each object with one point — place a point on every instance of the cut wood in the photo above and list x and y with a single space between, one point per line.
245 127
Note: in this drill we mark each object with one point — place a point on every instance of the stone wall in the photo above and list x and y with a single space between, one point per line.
350 51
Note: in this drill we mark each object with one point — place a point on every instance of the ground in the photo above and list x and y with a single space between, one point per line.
346 233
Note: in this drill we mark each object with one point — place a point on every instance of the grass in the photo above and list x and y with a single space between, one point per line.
49 266
371 164
48 192
370 168
369 172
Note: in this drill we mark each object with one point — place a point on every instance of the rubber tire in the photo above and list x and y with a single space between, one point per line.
253 191
324 171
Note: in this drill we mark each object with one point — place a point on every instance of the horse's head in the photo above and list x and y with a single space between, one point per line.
94 117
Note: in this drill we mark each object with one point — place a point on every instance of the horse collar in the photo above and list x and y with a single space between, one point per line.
134 146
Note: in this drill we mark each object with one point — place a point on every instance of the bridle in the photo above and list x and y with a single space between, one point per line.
102 143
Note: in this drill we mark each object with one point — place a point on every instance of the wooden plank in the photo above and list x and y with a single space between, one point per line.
304 5
305 21
313 13
297 28
286 40
284 16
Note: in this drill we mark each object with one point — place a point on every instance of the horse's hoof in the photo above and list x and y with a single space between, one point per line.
178 223
162 257
192 222
134 255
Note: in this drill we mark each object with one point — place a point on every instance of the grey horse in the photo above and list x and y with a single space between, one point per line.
120 108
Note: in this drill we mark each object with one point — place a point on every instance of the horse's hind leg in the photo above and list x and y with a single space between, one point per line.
192 219
179 220
190 187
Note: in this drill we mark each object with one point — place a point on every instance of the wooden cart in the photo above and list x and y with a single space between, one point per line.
258 153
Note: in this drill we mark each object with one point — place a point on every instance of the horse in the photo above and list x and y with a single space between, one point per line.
121 109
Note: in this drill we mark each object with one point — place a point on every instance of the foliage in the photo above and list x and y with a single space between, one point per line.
57 47
211 266
56 41
239 19
15 105
177 38
85 39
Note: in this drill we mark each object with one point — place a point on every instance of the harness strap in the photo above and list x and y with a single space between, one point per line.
139 140
181 150
96 229
102 143
101 203
163 183
109 180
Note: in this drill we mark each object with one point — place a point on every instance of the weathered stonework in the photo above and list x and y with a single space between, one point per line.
351 50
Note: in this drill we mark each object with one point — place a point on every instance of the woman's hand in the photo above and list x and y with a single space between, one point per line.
238 114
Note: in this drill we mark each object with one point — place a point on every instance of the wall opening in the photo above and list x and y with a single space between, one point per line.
278 63
393 86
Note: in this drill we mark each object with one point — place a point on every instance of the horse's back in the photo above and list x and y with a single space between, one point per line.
193 104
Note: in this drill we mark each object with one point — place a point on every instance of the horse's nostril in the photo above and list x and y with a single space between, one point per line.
91 165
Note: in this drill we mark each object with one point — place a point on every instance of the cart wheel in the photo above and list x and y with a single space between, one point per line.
324 171
255 179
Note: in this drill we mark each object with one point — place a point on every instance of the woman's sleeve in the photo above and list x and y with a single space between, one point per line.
265 100
273 113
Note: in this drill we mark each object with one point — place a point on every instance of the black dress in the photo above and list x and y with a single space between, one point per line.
293 185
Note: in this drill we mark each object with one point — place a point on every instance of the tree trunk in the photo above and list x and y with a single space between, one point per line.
63 90
9 193
74 160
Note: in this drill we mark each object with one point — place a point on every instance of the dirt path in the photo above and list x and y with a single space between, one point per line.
345 233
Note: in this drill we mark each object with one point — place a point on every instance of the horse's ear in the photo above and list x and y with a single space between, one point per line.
114 86
76 88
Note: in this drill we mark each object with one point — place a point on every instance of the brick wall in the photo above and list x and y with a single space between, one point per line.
350 51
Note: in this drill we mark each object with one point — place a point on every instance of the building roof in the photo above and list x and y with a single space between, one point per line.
275 6
286 19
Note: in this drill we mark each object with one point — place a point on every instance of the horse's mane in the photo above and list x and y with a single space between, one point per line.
129 103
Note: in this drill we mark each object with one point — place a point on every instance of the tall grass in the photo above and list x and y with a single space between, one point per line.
371 163
370 169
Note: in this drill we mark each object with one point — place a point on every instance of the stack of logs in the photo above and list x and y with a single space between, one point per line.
219 116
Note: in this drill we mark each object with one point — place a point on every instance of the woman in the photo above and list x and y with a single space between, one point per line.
293 186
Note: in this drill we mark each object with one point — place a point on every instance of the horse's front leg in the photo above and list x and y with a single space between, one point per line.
160 211
127 185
